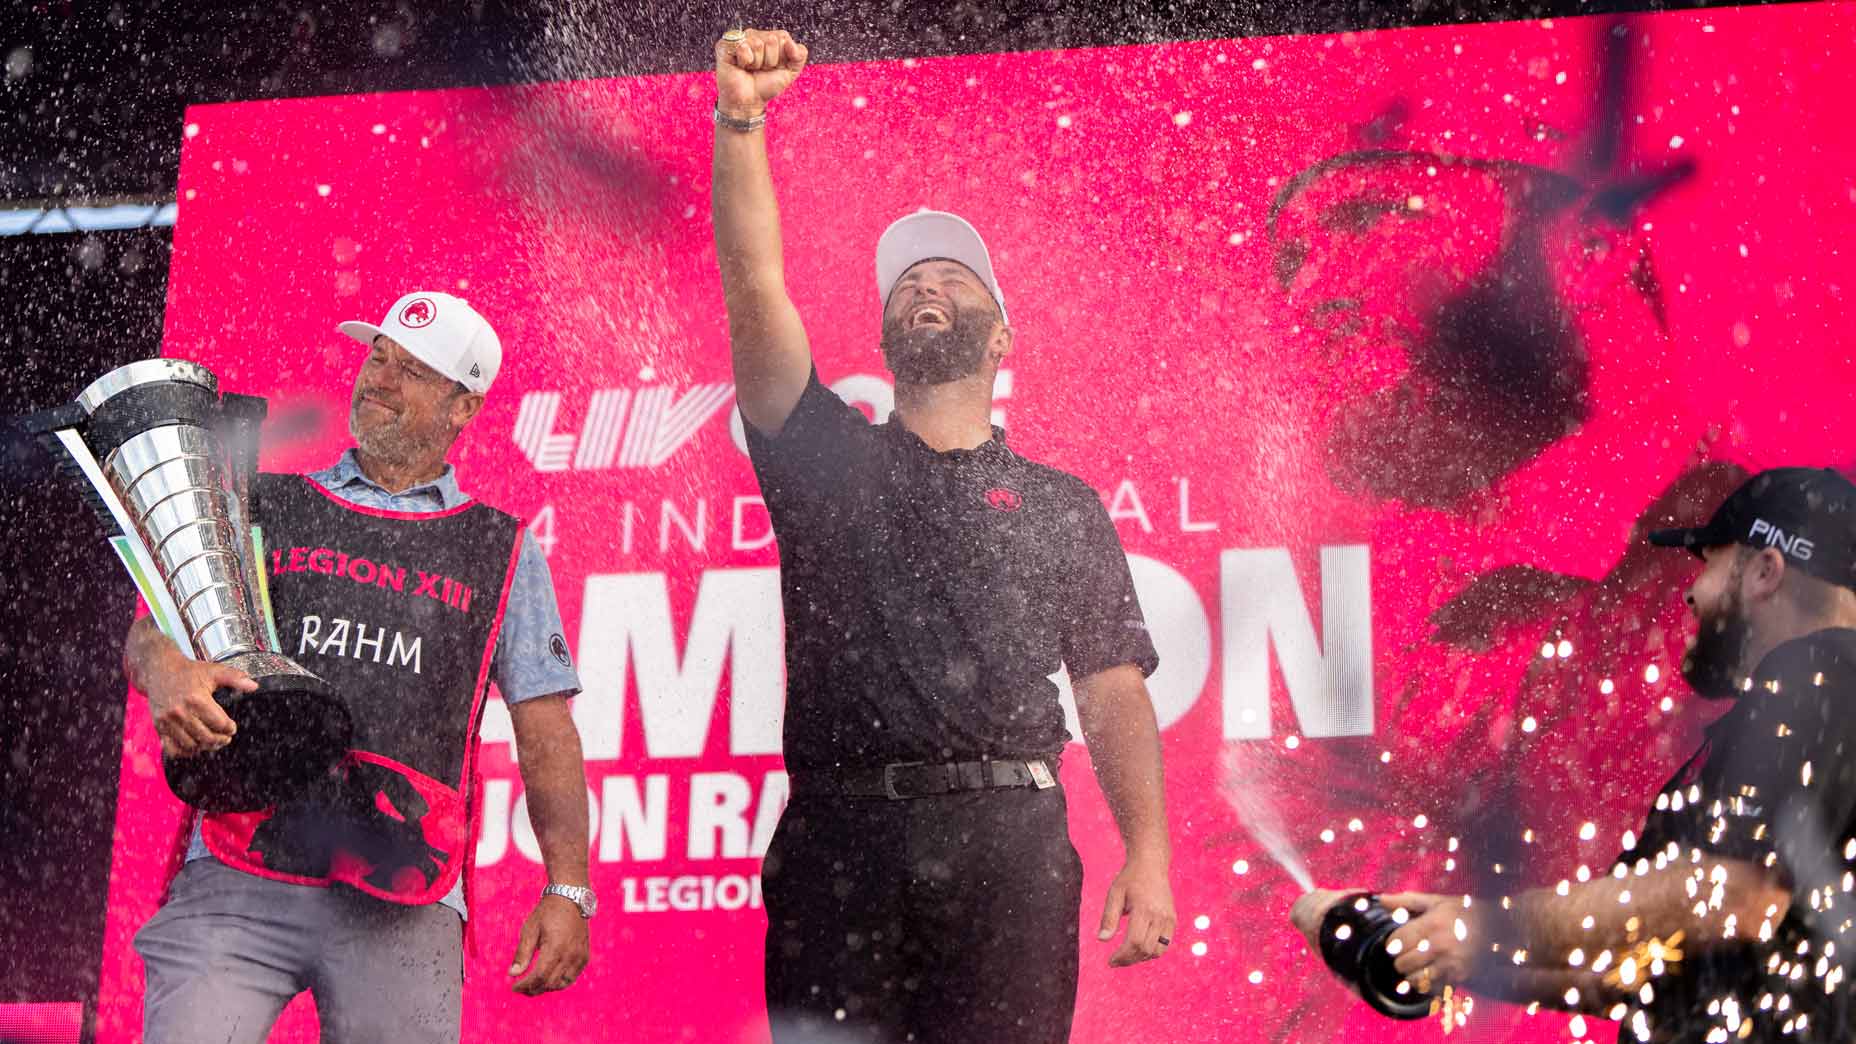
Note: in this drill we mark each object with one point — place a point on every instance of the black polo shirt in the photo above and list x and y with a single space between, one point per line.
929 595
1773 784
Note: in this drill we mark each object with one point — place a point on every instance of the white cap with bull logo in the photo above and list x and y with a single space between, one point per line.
929 234
442 332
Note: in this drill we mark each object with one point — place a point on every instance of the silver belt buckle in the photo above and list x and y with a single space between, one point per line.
1040 773
889 777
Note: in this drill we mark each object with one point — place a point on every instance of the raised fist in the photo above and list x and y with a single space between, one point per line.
752 71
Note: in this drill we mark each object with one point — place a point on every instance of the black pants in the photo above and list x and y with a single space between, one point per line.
948 918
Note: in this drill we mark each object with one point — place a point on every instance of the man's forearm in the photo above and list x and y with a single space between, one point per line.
747 225
766 338
1563 989
1707 902
146 652
554 778
1124 745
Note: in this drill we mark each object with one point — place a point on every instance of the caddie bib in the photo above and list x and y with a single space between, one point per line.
399 612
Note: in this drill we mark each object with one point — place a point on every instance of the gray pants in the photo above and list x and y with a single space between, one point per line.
230 949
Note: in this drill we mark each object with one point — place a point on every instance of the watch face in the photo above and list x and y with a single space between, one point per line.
580 897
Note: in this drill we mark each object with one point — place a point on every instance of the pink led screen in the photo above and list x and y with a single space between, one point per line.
1381 348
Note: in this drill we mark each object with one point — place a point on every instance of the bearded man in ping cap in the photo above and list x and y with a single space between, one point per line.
1732 915
409 598
922 885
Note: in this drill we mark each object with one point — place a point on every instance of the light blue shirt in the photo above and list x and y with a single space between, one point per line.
524 665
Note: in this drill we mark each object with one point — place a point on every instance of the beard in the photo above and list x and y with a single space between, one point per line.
385 438
930 356
1715 666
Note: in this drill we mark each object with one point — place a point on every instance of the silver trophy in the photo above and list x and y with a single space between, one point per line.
167 462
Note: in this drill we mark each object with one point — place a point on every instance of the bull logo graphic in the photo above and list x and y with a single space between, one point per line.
417 313
1003 499
373 819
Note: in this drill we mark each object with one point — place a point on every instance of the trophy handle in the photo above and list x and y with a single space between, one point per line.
44 426
57 430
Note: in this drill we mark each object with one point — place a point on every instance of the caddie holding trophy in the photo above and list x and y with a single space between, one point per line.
394 590
168 465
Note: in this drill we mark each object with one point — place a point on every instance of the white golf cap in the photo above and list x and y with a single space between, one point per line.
442 332
926 234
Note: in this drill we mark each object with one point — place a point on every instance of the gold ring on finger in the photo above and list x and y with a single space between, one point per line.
734 36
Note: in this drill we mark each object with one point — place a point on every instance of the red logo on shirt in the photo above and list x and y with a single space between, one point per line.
1003 499
417 313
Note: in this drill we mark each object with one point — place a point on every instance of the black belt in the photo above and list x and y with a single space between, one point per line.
913 779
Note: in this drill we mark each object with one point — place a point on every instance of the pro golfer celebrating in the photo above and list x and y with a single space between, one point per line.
922 885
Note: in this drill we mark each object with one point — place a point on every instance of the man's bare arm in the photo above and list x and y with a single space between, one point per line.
1124 745
553 945
1709 902
1470 960
1594 925
554 778
767 340
1562 989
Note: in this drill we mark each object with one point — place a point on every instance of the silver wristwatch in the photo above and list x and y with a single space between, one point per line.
580 897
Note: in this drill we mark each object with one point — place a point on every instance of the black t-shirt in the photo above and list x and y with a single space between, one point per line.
928 596
1774 784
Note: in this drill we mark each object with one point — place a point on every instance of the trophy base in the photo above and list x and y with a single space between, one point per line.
291 732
